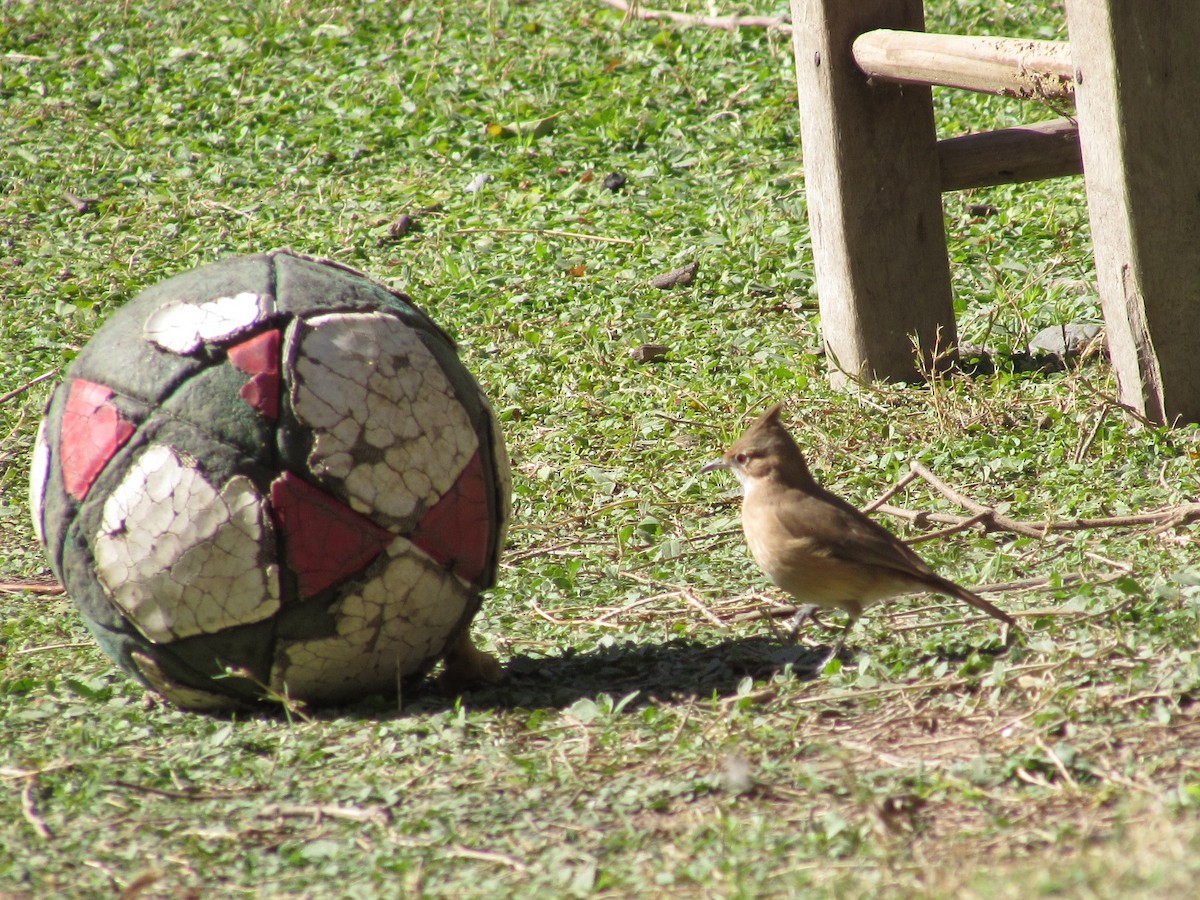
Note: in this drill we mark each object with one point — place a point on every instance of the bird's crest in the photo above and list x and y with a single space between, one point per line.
768 419
768 450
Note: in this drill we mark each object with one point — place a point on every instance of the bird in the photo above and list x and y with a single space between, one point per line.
813 544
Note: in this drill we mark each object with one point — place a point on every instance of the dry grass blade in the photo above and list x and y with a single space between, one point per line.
319 811
30 811
549 232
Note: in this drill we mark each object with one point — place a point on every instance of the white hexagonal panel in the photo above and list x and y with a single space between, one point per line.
182 326
181 557
385 630
387 423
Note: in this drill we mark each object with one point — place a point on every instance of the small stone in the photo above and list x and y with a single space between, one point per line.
737 776
81 205
1064 340
614 181
648 353
899 813
477 183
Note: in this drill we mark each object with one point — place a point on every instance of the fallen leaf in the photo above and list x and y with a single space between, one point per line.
535 127
681 277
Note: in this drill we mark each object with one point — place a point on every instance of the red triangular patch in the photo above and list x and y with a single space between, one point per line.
457 531
258 357
92 431
325 540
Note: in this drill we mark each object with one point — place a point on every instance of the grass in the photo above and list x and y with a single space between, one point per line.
655 736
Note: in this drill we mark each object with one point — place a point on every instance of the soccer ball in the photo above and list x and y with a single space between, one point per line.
272 477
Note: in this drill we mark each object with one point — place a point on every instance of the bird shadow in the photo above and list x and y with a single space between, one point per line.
675 670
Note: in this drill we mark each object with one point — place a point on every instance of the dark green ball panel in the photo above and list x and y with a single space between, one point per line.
211 400
207 661
120 356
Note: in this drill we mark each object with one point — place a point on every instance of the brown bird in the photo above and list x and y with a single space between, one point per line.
816 546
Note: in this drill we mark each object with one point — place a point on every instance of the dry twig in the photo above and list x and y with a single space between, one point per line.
31 587
634 10
319 811
891 492
18 391
1002 522
548 232
965 525
704 610
48 648
184 794
1163 519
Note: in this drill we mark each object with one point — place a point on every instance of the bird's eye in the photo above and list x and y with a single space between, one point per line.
740 459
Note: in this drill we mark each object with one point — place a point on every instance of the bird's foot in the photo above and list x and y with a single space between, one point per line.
836 651
816 660
829 657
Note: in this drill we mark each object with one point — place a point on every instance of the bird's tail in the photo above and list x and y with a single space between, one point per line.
969 597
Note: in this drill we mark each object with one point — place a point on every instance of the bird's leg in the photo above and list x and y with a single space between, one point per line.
804 614
841 641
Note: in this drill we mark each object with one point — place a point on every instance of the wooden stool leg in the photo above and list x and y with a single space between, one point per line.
1137 84
874 195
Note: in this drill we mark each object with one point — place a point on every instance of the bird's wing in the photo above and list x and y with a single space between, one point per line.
829 526
832 527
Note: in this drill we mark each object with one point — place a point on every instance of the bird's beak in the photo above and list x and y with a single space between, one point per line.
714 465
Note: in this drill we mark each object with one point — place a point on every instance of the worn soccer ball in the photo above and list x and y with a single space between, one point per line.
272 477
